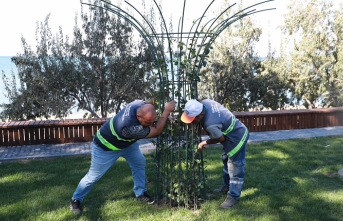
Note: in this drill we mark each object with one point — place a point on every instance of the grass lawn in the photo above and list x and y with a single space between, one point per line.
286 180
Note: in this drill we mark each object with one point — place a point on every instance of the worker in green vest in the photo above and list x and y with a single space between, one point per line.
117 138
222 127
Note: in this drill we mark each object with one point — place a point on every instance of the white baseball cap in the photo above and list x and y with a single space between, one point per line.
192 109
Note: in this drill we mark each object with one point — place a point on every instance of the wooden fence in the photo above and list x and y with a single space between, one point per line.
291 119
83 130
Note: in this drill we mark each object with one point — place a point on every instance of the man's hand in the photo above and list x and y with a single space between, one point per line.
157 128
201 146
170 106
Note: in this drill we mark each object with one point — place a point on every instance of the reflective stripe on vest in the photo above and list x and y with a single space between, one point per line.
240 144
105 142
232 125
115 134
108 144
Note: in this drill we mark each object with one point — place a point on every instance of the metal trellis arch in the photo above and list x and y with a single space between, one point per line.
179 169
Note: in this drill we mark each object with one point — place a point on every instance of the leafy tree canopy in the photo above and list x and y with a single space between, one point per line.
95 72
314 32
236 76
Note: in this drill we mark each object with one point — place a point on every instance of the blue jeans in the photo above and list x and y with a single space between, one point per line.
102 160
233 169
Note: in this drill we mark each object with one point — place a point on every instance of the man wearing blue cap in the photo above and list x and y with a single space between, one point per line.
222 127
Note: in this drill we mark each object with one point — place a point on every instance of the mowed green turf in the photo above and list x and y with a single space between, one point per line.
286 180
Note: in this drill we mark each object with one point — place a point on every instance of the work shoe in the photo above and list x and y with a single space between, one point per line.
223 189
75 206
228 203
146 198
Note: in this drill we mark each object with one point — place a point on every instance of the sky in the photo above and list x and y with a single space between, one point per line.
18 18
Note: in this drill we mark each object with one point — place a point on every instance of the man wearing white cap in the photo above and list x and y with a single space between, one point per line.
222 127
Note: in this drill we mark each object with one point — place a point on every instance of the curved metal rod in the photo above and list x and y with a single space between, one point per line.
148 40
224 25
245 10
201 32
140 28
146 34
242 16
183 16
196 29
190 31
180 31
207 34
168 35
212 39
153 31
191 49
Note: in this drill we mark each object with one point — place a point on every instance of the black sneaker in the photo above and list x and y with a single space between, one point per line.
223 189
228 203
75 206
146 198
